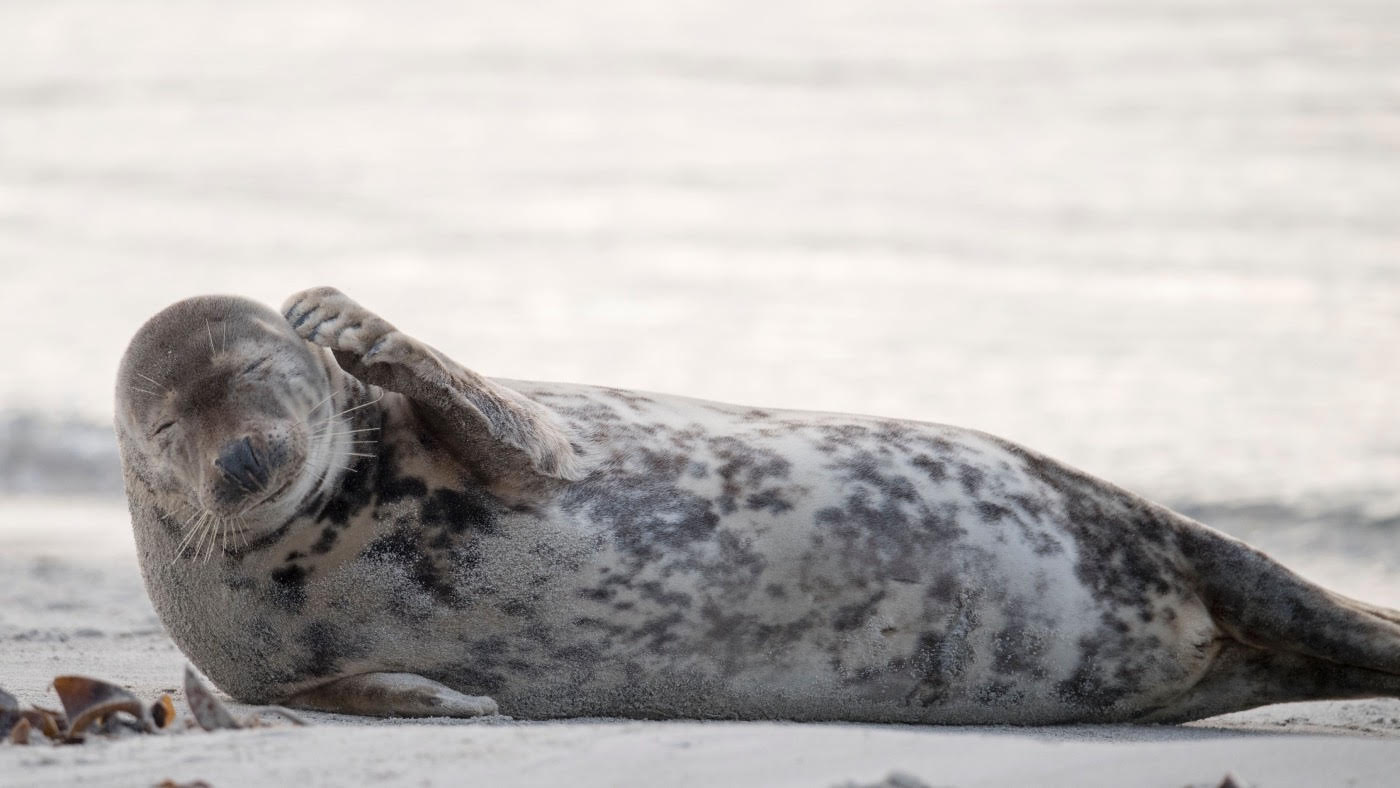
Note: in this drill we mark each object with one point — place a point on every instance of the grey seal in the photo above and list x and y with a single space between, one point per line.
333 515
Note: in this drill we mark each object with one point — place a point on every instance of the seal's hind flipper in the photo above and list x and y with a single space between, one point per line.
391 695
1243 677
474 410
1262 604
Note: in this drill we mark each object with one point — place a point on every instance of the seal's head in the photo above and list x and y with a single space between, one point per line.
216 413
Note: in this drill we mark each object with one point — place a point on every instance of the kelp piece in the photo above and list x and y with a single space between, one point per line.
207 710
86 700
163 711
9 712
49 722
19 734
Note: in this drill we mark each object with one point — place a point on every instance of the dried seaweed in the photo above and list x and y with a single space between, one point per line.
87 701
208 711
96 708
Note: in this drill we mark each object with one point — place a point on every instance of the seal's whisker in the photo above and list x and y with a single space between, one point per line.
189 532
370 441
205 533
241 513
329 425
207 541
358 454
357 407
198 533
211 337
144 391
156 382
198 526
319 404
361 445
363 441
213 540
194 513
198 555
221 528
351 439
224 344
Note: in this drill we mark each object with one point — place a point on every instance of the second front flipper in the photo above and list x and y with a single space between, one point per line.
484 420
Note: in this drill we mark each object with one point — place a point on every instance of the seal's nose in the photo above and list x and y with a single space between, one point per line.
243 466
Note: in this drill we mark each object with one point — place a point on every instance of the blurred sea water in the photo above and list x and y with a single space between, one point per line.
1159 240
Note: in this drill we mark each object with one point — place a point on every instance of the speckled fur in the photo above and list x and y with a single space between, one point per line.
574 550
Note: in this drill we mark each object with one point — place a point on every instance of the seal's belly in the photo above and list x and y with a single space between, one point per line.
829 567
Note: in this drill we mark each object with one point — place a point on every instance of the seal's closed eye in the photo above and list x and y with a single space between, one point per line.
220 434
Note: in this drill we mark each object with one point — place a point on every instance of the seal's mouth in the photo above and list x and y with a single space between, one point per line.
245 469
275 494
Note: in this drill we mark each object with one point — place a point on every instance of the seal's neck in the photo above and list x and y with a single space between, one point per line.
343 434
342 459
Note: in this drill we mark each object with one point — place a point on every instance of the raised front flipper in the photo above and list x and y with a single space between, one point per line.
392 695
495 427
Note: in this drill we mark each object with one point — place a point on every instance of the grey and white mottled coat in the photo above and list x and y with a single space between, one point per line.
334 515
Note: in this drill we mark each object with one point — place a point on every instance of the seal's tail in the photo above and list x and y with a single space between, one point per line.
1287 639
1264 605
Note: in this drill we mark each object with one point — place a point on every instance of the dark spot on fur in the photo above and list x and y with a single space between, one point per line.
324 544
1019 646
403 548
971 479
396 489
354 494
991 512
241 583
597 594
459 510
653 591
771 500
289 587
327 647
935 470
656 633
854 615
